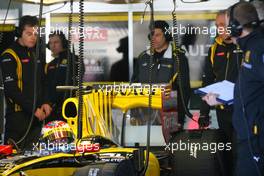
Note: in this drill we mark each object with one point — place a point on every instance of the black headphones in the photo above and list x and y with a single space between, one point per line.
23 21
234 25
164 26
167 36
62 37
18 32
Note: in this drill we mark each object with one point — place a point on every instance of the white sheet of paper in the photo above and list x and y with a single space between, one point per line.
225 90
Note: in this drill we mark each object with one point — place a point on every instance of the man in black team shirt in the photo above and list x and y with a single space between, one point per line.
164 66
61 71
17 64
222 63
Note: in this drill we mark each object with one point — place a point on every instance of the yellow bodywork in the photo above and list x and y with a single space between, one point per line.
97 120
97 107
153 168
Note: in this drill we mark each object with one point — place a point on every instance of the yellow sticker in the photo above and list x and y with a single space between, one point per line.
64 61
247 56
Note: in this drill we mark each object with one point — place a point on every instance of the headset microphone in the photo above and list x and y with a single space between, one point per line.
236 27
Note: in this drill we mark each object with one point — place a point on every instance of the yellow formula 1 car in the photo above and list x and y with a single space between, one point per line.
109 158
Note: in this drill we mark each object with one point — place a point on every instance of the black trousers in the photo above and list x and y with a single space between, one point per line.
250 160
224 119
16 126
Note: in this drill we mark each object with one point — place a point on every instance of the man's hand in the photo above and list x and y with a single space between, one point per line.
210 99
46 108
204 121
40 114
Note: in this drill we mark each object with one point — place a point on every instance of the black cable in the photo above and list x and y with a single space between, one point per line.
144 12
70 57
178 62
8 7
64 3
80 68
1 33
244 111
13 143
74 154
74 66
151 29
1 37
123 129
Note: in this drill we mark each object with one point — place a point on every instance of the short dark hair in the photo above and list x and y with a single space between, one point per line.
27 20
221 12
62 37
164 26
245 13
57 33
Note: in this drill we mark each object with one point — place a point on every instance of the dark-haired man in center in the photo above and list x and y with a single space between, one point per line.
163 68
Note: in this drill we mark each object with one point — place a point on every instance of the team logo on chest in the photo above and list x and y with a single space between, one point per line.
246 61
25 60
247 56
220 54
64 61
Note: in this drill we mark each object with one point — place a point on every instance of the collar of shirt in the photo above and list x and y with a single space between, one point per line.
159 55
244 41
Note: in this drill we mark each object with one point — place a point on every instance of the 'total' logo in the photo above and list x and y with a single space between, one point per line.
96 34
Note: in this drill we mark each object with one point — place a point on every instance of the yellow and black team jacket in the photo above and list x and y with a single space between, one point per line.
60 71
56 73
163 70
18 74
222 63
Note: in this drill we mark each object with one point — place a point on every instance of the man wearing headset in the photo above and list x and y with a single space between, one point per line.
59 72
164 66
248 117
17 64
221 64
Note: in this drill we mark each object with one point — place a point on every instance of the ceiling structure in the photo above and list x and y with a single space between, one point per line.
50 2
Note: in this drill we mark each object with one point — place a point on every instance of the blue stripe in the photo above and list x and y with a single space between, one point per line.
249 66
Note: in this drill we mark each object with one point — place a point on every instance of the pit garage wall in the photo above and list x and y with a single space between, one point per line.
100 55
104 30
196 32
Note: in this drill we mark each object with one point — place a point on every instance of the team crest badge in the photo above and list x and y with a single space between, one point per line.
64 61
247 56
